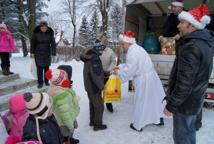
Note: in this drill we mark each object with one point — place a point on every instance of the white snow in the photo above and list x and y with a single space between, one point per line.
118 131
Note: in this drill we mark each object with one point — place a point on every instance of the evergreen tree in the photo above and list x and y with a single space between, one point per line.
116 21
94 26
21 16
9 14
84 32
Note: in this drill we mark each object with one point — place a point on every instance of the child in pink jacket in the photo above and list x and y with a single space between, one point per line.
15 119
7 46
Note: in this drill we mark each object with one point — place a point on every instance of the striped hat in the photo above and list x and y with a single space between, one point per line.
38 104
58 77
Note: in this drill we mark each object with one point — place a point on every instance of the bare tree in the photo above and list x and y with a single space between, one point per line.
23 28
58 24
70 9
104 6
32 15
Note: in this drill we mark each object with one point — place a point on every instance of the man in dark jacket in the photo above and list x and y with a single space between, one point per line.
190 74
170 26
42 47
94 84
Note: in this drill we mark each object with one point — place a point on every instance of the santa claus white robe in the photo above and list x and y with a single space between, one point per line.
149 92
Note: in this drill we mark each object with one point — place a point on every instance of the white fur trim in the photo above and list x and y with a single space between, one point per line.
128 39
205 20
178 4
188 17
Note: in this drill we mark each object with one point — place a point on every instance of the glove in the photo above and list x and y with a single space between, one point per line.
106 73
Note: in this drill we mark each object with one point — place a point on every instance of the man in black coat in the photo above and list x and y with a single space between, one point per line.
170 26
43 45
190 74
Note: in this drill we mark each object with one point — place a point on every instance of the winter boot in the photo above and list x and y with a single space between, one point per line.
8 70
109 107
5 72
74 141
161 122
100 127
40 86
132 127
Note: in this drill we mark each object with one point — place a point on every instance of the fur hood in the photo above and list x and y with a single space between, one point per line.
49 30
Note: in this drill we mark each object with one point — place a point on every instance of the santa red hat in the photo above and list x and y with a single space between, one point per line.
128 37
198 16
58 77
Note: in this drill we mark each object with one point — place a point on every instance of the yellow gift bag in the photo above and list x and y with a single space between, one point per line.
112 90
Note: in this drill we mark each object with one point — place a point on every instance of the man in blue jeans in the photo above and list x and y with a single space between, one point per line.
190 73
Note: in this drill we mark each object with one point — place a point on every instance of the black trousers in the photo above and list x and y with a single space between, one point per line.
5 60
96 108
41 74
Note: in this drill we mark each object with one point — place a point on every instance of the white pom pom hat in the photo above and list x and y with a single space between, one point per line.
198 16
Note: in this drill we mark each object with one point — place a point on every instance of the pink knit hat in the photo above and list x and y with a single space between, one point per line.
17 103
3 25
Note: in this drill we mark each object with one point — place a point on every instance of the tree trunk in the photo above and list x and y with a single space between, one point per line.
74 22
32 18
23 26
104 21
24 46
103 6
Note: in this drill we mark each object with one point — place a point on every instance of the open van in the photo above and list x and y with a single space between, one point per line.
144 15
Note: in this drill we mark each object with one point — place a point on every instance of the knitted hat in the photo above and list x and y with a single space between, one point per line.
98 46
17 103
58 77
128 37
178 3
3 25
198 16
38 104
67 69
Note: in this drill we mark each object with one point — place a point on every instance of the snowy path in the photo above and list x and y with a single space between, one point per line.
118 131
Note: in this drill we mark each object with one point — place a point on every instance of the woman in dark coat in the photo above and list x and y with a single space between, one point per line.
43 45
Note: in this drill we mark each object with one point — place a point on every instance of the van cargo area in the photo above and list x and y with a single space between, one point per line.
143 16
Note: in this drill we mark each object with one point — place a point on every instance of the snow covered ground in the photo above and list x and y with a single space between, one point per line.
118 131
